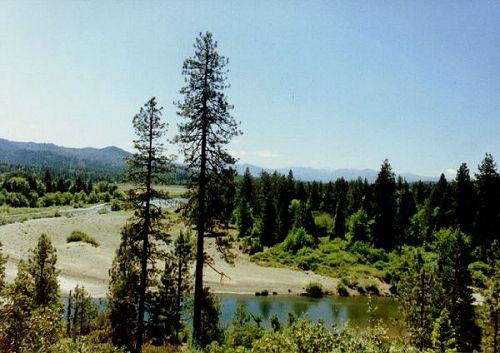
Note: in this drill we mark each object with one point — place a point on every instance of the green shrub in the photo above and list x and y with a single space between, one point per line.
77 235
298 239
372 288
342 290
103 211
263 293
324 223
315 290
83 345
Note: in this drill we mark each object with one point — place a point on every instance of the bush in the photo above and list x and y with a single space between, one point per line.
103 211
315 290
263 293
298 239
324 223
83 345
372 288
251 245
342 290
77 235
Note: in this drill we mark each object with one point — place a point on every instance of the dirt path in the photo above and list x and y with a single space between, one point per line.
83 264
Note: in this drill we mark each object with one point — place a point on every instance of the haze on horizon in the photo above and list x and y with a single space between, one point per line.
317 84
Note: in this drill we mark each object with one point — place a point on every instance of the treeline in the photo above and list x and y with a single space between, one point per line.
27 188
388 213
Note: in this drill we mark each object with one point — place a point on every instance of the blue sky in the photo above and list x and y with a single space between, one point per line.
326 84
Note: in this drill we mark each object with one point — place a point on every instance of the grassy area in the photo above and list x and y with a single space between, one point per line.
173 190
361 268
77 236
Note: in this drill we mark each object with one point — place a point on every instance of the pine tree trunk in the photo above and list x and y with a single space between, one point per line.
198 284
68 316
179 294
145 246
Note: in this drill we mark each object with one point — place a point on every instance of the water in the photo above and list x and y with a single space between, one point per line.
336 311
176 201
330 310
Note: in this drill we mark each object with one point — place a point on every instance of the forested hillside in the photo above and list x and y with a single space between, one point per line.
48 155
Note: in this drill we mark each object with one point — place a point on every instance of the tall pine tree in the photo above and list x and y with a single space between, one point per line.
148 227
384 208
207 128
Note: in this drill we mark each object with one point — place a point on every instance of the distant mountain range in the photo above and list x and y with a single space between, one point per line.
49 155
46 155
325 175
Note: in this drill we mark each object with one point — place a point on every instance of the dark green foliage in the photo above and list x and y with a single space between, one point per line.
384 208
3 261
298 239
454 248
419 292
123 292
359 227
269 225
302 216
28 188
210 311
464 200
174 289
31 313
339 226
315 290
443 334
244 331
42 269
139 250
488 215
81 314
77 235
406 208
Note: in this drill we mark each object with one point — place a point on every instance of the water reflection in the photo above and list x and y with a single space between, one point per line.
330 310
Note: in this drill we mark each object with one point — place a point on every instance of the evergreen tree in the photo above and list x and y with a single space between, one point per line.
406 209
42 269
212 330
464 200
488 216
82 313
164 322
147 228
314 195
440 203
173 291
31 314
207 128
329 204
419 293
284 218
339 224
300 192
48 182
491 314
340 189
384 208
123 294
247 204
247 191
268 235
184 256
453 248
443 334
355 195
3 261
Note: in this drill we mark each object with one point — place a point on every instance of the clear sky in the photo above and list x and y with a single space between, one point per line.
328 84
